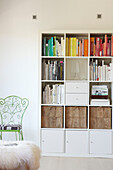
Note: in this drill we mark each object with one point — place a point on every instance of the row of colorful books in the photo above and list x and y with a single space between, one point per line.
53 46
76 47
100 72
53 70
54 94
101 46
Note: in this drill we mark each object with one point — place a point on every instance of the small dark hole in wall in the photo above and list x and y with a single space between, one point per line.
34 17
99 16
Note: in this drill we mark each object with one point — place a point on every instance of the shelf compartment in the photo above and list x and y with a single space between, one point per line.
100 117
76 69
52 117
52 44
76 44
76 117
100 69
53 69
100 44
52 93
108 84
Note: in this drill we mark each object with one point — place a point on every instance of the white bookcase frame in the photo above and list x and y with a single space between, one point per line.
88 154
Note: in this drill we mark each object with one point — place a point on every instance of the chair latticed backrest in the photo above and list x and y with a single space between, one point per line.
12 109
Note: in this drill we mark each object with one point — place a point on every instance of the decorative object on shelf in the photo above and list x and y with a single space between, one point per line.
12 110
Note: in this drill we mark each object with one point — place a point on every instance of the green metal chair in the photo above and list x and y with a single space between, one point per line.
12 110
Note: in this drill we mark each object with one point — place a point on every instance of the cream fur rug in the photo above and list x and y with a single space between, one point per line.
15 154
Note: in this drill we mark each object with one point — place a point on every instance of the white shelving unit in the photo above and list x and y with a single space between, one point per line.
63 141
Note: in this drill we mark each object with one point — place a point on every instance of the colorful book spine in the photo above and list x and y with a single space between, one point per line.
94 47
97 46
86 47
77 52
96 70
44 47
100 47
91 46
51 46
73 46
61 70
55 45
67 49
62 47
112 45
82 47
109 47
105 46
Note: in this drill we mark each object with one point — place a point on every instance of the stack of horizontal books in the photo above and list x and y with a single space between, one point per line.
99 95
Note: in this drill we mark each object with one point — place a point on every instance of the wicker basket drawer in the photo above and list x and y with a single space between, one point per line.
76 117
100 118
52 117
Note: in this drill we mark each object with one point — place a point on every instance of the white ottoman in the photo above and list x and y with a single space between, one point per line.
19 155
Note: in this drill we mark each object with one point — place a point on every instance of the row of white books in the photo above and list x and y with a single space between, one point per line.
100 73
53 70
54 94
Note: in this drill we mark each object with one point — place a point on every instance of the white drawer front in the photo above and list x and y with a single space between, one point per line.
81 99
76 87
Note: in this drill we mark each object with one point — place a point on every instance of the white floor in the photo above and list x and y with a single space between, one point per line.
61 163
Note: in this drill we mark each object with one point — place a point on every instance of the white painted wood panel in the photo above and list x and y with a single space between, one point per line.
77 99
52 141
77 142
100 142
73 87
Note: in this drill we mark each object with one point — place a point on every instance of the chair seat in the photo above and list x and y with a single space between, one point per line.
11 127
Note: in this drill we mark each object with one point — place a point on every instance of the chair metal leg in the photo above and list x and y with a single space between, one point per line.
1 136
19 135
16 135
22 135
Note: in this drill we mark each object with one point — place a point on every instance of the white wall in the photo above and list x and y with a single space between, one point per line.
19 43
19 58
